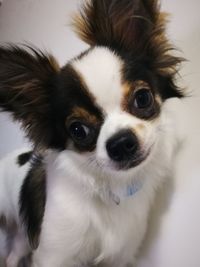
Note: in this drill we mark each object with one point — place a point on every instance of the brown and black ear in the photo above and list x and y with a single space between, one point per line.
133 27
116 23
26 82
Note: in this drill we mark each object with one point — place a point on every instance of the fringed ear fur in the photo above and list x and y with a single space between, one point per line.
26 81
118 23
133 27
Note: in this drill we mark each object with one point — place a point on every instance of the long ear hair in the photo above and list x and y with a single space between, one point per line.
132 27
117 23
26 81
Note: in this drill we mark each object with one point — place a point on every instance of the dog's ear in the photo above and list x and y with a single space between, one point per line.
133 27
116 23
26 82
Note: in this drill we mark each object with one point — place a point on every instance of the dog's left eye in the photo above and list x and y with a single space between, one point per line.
143 99
79 131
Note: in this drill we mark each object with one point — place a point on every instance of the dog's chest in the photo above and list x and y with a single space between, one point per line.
93 230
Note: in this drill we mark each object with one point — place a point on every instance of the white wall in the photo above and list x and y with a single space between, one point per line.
44 23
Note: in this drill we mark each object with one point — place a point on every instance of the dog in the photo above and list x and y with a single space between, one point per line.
103 138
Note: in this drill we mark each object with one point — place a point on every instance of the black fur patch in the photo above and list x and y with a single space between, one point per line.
24 158
33 199
72 93
26 81
41 95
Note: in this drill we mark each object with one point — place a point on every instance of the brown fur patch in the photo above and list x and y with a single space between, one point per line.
54 63
139 127
129 88
128 100
81 113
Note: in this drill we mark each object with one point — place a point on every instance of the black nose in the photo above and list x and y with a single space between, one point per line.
122 146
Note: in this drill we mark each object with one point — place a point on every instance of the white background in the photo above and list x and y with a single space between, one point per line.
45 24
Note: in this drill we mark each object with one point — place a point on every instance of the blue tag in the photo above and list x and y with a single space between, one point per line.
133 189
130 191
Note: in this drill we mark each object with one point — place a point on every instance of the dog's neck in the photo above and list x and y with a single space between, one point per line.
110 187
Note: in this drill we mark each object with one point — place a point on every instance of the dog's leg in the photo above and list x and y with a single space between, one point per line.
20 248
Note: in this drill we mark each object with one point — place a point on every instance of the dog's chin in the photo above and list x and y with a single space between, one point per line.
126 165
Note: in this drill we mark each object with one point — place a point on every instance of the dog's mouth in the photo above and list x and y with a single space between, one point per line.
139 158
132 163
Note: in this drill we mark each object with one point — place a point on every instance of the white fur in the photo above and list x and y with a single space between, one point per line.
11 179
82 222
101 71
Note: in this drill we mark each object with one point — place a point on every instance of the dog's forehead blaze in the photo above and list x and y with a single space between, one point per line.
101 71
102 75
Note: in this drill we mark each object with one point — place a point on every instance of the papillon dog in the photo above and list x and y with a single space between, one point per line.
102 135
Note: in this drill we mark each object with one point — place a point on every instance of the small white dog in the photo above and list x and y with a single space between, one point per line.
101 134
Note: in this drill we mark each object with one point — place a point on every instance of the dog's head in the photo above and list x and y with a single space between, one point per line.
108 100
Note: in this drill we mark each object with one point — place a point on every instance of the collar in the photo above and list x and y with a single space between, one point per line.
128 192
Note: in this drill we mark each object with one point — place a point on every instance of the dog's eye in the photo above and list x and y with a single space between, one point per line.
78 131
143 99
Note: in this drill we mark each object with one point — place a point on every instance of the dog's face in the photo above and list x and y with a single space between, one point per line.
113 109
106 103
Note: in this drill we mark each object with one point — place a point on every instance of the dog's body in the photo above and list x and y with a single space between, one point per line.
102 134
82 223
